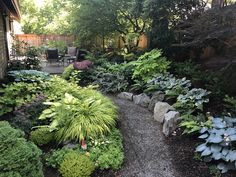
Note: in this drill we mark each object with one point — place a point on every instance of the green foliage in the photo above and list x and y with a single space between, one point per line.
107 152
150 65
50 18
192 100
26 116
169 84
76 165
230 105
58 44
56 157
67 72
113 77
219 143
29 75
86 114
41 136
16 94
18 157
192 124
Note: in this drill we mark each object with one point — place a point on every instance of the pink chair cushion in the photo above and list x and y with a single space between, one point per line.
83 65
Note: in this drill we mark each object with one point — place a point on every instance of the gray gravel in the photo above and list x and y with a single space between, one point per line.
146 153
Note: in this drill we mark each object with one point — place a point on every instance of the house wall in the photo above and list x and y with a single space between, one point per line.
3 48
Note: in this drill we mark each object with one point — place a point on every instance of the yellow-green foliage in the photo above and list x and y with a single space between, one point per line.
67 72
41 136
76 165
87 114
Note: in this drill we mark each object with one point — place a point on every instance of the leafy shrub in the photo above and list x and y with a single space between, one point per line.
82 115
16 94
219 143
75 165
110 82
18 157
169 84
26 116
67 72
149 65
41 136
107 152
28 75
55 158
192 100
230 105
188 69
192 124
59 44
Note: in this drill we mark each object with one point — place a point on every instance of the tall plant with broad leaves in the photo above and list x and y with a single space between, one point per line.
149 65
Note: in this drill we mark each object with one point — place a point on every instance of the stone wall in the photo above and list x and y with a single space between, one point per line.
3 52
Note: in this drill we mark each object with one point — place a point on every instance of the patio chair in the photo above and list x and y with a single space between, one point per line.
71 54
53 56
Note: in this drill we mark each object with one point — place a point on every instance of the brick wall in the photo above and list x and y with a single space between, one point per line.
3 53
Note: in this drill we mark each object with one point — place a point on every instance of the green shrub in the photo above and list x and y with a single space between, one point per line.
41 136
219 141
192 100
76 165
16 94
67 72
18 157
168 84
230 105
55 158
26 116
107 152
78 116
150 65
29 75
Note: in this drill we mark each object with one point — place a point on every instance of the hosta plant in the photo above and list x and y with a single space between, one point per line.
219 143
29 75
169 84
87 114
192 100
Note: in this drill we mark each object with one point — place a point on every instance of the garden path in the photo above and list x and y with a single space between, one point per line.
146 153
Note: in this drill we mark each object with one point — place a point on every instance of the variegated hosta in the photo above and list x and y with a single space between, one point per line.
219 141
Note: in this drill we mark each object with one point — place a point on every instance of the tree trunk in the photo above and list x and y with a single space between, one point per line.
217 3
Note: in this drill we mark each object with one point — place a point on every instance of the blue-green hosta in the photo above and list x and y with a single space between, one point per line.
218 145
168 84
29 75
193 100
79 118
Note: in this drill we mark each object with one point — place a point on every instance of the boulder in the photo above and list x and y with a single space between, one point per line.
126 96
160 109
142 100
156 97
170 122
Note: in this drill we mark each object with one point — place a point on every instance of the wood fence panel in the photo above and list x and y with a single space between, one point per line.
38 40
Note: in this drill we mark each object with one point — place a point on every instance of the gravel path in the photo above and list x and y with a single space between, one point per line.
146 153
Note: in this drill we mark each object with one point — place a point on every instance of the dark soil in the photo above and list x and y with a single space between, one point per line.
184 158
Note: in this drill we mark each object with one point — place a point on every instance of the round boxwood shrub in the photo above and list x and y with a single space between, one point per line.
18 157
41 136
76 165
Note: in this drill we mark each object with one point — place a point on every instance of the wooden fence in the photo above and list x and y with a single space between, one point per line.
38 40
